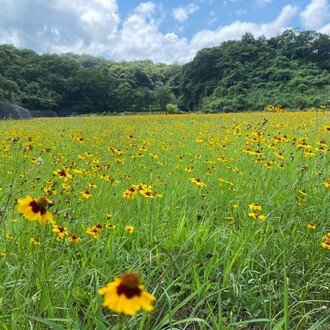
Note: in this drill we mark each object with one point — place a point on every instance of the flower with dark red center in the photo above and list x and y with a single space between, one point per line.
311 226
98 227
130 193
63 174
198 182
129 286
255 207
129 229
93 231
86 194
35 209
257 216
126 295
74 239
34 241
60 231
326 242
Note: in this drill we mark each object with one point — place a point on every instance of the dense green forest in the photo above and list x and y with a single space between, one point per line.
292 69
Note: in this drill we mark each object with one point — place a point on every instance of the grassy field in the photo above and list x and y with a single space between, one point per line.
171 199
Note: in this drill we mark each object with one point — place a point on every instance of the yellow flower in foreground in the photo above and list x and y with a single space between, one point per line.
126 295
311 226
60 231
86 194
63 174
255 207
93 231
98 227
326 242
257 216
147 193
35 209
327 184
74 239
326 245
129 229
198 182
130 193
34 241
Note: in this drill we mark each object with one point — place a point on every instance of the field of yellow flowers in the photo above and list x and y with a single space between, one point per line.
165 222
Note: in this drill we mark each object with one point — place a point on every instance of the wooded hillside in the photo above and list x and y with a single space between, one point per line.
292 69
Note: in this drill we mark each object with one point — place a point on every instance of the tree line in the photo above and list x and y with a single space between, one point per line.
292 69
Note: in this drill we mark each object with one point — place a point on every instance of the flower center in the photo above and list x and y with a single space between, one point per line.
129 286
38 207
62 172
42 202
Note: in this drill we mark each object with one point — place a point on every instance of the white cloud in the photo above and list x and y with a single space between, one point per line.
315 14
140 38
60 25
181 13
236 30
145 8
325 29
92 26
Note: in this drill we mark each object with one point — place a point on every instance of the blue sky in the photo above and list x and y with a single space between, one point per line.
214 13
163 31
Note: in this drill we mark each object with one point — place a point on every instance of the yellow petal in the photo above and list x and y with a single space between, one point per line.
30 215
45 217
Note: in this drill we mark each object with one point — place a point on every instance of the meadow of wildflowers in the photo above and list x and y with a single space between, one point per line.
224 219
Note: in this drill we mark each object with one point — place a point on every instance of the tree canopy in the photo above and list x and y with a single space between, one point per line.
291 69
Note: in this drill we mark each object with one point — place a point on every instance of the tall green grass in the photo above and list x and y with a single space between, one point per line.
208 263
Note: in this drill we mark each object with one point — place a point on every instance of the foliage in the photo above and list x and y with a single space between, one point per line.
291 69
71 83
172 108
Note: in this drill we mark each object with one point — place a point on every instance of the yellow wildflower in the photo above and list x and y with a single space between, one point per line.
35 209
126 295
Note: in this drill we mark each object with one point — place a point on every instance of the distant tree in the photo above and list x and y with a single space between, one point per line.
163 96
172 108
9 89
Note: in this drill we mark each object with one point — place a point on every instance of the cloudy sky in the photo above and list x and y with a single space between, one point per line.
163 31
